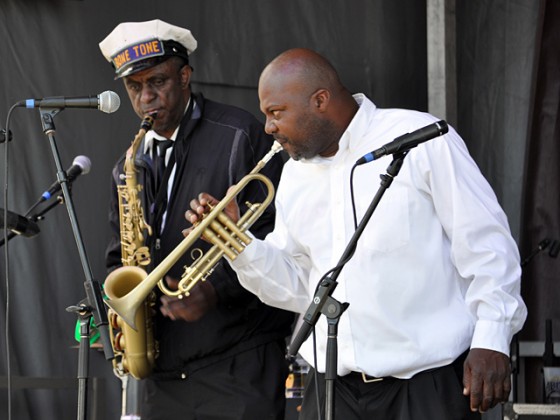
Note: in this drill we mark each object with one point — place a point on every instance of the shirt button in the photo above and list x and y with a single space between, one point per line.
183 376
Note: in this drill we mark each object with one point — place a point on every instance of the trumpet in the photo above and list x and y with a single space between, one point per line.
227 237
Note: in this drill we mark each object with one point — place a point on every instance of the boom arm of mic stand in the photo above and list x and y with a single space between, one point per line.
35 217
327 286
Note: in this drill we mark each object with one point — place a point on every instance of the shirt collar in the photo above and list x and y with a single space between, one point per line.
354 132
151 135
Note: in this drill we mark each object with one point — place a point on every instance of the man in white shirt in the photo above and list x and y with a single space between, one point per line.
435 275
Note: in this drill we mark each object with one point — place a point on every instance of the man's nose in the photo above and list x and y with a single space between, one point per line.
270 127
147 94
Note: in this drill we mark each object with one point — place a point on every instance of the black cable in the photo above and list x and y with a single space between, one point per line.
352 196
7 266
315 379
338 267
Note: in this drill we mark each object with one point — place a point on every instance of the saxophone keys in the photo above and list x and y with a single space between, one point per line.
119 343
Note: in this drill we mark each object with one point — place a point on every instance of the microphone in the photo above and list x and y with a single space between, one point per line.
20 225
407 141
107 101
80 165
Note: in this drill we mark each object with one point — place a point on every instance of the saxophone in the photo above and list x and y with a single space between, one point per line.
135 350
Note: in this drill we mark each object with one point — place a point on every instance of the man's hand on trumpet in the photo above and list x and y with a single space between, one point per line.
202 205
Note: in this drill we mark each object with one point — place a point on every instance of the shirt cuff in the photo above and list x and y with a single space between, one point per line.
247 256
492 335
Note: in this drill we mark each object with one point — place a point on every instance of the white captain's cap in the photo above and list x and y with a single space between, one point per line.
136 46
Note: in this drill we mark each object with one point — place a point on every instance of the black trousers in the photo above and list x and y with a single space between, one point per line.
248 386
436 394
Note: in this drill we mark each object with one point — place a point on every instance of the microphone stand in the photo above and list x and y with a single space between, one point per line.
515 365
324 303
93 304
541 247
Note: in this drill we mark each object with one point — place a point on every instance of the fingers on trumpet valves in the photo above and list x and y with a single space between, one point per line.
193 217
199 207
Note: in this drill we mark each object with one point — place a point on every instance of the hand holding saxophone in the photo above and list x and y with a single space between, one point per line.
202 298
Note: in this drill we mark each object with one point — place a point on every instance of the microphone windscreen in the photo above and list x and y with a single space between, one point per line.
109 101
83 162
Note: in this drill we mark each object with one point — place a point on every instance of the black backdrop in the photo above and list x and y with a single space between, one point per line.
49 48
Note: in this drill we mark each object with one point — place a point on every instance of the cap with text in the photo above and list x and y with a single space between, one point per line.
136 46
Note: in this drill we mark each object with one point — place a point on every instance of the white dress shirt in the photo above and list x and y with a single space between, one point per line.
435 271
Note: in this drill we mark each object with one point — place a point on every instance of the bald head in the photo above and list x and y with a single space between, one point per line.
302 67
306 106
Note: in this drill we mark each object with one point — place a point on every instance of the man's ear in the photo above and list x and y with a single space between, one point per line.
320 99
186 72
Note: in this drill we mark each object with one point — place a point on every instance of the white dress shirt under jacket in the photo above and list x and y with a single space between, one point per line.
435 271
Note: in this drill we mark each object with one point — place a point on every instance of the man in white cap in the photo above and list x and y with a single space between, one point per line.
221 350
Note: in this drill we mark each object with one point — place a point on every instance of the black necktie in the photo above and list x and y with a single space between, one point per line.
159 160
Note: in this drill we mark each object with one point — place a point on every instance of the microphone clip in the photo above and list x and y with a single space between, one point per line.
322 303
3 135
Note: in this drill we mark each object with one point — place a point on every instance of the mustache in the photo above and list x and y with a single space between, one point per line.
280 139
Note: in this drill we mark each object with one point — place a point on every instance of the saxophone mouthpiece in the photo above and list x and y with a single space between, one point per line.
148 121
